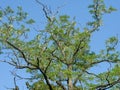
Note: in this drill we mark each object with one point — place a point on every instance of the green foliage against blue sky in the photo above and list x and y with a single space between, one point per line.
73 8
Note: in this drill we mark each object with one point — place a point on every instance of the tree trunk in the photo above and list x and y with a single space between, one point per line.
70 84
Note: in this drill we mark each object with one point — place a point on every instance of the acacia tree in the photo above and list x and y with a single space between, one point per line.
59 57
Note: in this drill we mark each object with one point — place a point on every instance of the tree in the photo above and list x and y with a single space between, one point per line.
59 57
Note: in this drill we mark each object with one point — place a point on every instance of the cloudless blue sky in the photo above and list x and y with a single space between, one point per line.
77 8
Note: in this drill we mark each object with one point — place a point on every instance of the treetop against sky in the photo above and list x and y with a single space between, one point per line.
57 44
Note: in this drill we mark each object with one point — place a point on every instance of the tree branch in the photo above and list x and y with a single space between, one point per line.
78 47
61 85
18 50
46 78
107 86
44 10
58 58
109 61
97 17
16 87
47 66
58 44
36 66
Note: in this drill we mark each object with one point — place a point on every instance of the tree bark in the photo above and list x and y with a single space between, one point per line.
70 83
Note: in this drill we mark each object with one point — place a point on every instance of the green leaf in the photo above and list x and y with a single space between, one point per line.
1 13
112 9
31 21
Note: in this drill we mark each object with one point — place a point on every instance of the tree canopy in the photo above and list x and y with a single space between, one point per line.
59 56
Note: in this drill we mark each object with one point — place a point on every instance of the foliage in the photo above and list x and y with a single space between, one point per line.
59 57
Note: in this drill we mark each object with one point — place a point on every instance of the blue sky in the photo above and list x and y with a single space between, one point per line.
77 8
